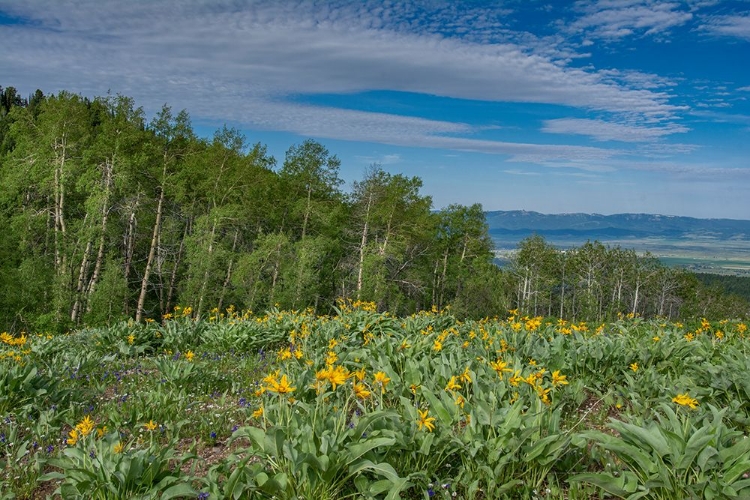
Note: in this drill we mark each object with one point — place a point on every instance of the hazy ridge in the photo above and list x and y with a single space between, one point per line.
708 245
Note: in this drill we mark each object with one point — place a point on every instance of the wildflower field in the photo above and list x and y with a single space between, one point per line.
363 404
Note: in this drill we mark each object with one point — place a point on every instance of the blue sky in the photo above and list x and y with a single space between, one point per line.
603 106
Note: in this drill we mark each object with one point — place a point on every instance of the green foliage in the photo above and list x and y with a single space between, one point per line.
371 405
676 458
102 468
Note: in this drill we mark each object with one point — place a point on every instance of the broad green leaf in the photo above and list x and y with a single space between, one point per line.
650 436
695 445
437 406
355 451
178 490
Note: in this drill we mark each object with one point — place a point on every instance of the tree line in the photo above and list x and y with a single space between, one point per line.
108 215
598 283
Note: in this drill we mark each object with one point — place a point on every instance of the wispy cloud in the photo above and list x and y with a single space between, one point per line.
219 55
609 131
388 159
520 172
732 25
616 19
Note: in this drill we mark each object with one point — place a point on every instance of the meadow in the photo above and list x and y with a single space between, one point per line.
363 404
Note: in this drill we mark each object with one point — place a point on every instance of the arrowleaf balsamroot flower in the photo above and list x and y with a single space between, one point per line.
500 367
425 421
360 390
634 367
382 380
150 426
686 400
337 375
558 379
452 384
281 387
73 439
85 426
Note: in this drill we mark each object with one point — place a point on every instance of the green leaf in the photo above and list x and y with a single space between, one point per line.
550 446
695 445
621 486
424 449
178 490
437 406
398 486
383 469
359 449
651 436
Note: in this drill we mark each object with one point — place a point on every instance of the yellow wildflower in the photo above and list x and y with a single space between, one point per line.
73 439
452 384
516 378
686 400
258 413
360 390
543 394
425 421
500 367
150 426
634 367
282 386
466 376
337 375
382 380
85 426
118 447
331 358
189 355
558 379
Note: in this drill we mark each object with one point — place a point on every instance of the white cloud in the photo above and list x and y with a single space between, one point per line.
734 25
615 19
521 172
388 159
608 131
215 56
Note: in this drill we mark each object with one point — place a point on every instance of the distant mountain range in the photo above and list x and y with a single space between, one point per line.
519 224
